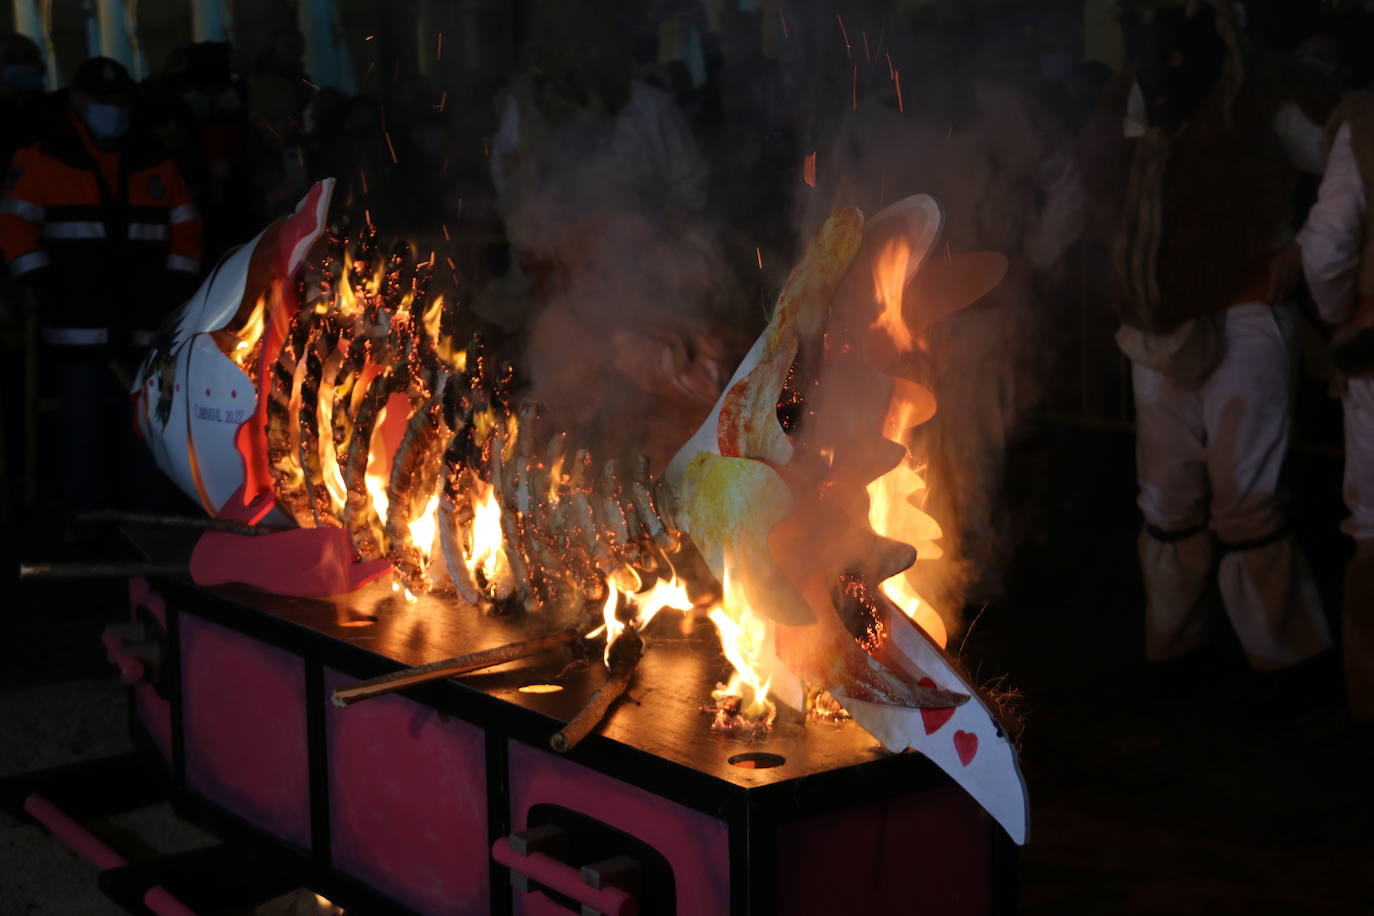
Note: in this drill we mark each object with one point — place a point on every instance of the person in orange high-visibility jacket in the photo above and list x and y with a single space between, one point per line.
98 223
97 220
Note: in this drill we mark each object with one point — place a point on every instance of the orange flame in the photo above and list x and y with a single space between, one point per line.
241 344
377 474
643 607
488 554
744 640
889 280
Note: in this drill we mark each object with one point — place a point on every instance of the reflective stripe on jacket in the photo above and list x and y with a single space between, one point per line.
108 225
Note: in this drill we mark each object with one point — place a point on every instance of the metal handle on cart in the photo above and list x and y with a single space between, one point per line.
538 869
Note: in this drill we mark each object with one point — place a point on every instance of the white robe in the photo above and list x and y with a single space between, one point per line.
1208 462
1332 241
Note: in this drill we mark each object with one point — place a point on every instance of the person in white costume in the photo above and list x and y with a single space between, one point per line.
1339 264
1193 168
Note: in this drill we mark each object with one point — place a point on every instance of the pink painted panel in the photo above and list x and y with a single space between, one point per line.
695 845
153 712
244 728
407 802
928 852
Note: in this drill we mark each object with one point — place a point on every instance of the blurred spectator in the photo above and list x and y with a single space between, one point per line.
198 106
1338 259
99 224
275 148
1191 164
21 88
284 59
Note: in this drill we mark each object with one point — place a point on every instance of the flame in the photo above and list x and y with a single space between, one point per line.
743 639
431 320
247 336
425 526
642 607
555 478
889 279
378 467
329 456
488 554
893 513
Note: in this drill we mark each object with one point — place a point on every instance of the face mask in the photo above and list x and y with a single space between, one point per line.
22 77
107 122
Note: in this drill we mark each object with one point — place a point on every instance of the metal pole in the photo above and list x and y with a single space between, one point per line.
209 21
114 32
32 23
326 53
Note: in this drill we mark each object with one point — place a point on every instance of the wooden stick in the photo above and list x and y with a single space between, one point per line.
100 570
202 522
461 664
625 654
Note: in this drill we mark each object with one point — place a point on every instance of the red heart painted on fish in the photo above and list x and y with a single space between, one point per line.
966 745
932 719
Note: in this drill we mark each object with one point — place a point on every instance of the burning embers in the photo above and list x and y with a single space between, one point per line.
377 424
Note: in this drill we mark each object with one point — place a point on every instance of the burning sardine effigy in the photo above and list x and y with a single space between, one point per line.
363 419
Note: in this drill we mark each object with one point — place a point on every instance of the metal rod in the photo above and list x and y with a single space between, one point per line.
625 654
461 664
202 522
100 570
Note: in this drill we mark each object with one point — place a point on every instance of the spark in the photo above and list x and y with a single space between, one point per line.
367 38
897 78
946 252
854 89
446 238
848 48
809 170
782 16
443 100
867 56
452 266
362 174
460 208
891 70
439 51
310 84
387 134
759 254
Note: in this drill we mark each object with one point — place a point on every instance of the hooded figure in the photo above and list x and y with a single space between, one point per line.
1190 168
